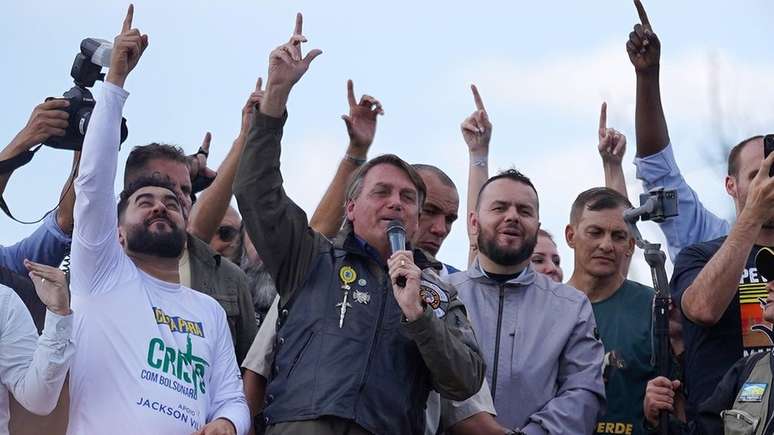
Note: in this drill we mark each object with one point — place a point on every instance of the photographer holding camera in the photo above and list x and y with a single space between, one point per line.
49 243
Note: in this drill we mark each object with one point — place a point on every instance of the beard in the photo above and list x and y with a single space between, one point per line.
487 244
169 244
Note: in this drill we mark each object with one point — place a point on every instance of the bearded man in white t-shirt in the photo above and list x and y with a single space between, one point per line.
153 356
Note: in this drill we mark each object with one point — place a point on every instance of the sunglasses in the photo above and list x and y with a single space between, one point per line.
227 233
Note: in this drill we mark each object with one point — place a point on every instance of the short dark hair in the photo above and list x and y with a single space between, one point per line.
355 186
139 183
142 154
445 179
596 199
733 155
510 174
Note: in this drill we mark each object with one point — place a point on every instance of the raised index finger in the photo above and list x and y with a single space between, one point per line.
299 24
603 117
206 142
477 98
128 19
351 93
643 15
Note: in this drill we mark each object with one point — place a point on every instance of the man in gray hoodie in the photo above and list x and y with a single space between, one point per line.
538 337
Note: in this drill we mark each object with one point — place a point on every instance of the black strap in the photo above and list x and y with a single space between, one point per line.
17 161
12 164
4 205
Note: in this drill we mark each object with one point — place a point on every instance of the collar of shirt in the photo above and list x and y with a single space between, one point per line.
526 277
369 250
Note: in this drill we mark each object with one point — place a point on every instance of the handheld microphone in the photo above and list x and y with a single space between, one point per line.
396 233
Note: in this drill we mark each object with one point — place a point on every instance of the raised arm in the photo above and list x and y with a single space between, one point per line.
644 50
361 128
612 147
64 215
655 161
276 225
477 131
49 242
209 209
95 247
47 119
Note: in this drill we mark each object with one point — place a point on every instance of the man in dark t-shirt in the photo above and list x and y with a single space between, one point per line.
710 351
602 244
716 283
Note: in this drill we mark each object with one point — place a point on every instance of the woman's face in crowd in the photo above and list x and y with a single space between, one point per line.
545 259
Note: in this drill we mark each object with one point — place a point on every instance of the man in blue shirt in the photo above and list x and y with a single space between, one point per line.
48 244
655 160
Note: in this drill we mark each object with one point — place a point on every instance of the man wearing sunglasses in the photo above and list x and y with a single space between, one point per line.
227 240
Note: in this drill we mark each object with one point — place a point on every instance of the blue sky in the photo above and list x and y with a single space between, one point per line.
543 68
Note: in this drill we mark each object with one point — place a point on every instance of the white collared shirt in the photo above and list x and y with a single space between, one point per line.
32 368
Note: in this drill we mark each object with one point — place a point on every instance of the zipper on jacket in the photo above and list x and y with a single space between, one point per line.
497 341
373 344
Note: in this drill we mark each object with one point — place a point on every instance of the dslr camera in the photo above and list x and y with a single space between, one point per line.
86 70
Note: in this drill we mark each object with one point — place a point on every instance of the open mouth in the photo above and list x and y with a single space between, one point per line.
511 234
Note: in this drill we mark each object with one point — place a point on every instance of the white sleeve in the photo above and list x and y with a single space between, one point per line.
453 412
227 393
260 357
33 369
96 253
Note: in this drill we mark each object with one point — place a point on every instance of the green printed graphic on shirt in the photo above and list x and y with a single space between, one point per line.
182 365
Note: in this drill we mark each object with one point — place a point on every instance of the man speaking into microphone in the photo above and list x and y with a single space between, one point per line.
356 353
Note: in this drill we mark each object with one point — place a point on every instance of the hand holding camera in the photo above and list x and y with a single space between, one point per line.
127 50
760 195
47 119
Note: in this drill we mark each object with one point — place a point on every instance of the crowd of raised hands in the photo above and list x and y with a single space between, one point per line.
261 272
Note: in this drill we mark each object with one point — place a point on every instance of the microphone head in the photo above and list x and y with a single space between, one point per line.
396 233
396 225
